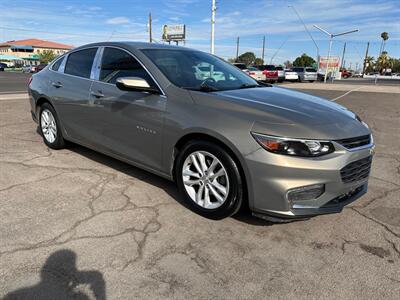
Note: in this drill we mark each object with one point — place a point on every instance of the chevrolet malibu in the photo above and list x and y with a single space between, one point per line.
225 139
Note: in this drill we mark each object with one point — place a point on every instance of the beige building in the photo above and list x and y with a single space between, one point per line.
27 51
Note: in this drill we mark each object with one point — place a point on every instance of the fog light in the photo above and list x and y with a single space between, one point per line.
304 193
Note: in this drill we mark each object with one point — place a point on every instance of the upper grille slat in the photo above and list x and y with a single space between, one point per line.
355 142
356 170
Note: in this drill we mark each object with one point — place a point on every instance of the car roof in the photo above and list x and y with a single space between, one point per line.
135 45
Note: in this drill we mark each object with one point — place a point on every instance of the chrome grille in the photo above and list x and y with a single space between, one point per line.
355 142
356 170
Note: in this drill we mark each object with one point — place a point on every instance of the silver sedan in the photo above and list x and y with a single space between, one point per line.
225 139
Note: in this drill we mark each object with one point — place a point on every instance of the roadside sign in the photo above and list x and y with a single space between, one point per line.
175 32
331 66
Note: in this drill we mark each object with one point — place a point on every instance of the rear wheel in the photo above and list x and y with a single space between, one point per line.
299 79
50 127
209 180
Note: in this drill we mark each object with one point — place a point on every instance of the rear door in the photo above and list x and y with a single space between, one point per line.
69 90
131 121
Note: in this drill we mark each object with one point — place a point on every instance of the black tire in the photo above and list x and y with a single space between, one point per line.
311 81
299 79
59 142
233 201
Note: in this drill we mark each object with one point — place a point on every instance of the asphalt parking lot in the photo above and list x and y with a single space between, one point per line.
78 218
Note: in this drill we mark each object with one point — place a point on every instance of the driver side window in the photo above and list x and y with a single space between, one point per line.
118 63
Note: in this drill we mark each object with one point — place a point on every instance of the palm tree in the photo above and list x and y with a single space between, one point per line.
369 64
385 37
384 62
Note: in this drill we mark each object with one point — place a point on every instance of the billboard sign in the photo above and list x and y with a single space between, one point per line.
333 66
333 63
175 32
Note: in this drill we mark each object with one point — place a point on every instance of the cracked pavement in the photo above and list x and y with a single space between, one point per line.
132 230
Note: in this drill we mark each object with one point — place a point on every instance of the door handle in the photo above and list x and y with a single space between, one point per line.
97 94
56 84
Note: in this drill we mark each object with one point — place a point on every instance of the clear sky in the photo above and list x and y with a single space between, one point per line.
84 21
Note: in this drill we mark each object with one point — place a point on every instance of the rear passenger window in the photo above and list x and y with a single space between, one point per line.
118 63
79 63
57 64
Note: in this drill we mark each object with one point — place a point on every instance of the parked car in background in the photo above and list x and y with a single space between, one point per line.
29 69
306 74
291 75
281 73
346 73
3 66
358 75
270 72
255 73
225 142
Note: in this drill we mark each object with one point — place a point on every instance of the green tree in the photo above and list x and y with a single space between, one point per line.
385 37
369 64
247 58
395 62
288 64
258 61
383 62
303 61
47 56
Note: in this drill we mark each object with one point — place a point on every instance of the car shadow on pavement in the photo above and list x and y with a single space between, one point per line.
169 187
60 279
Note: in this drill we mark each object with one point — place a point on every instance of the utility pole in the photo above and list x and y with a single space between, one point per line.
331 36
365 60
344 51
237 49
213 9
263 49
150 33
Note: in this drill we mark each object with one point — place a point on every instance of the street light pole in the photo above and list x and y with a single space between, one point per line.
329 56
213 9
331 36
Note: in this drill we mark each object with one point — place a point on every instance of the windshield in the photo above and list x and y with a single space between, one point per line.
197 70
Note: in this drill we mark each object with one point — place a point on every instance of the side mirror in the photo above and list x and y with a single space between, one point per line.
135 84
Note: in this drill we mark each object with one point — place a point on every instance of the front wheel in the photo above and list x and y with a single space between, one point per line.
50 127
209 180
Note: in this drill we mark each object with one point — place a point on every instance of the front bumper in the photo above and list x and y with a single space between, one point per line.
273 175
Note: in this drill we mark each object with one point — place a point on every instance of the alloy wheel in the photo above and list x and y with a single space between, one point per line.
48 125
205 179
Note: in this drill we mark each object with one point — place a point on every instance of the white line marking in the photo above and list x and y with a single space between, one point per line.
8 97
14 92
345 94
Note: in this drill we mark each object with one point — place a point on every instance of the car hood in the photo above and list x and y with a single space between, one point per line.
280 111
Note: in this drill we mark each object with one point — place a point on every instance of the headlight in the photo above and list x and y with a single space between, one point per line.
294 147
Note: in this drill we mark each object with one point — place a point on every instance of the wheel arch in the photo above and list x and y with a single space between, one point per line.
40 101
223 143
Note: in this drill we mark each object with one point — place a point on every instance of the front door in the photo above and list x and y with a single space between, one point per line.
131 122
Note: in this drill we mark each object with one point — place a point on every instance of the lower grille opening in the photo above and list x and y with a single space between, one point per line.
356 170
343 198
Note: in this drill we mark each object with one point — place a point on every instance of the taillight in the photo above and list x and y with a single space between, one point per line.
252 73
30 80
